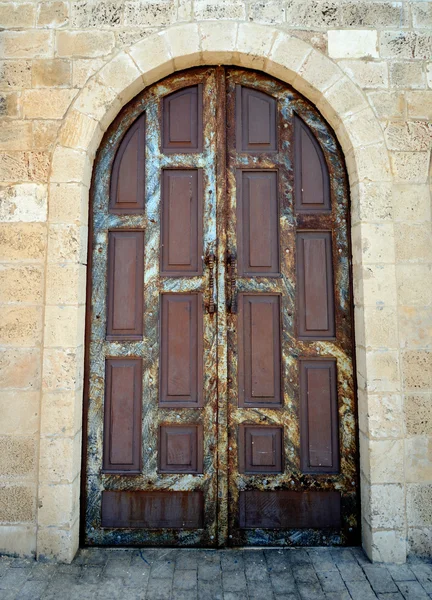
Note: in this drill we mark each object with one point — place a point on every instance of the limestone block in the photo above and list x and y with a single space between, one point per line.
64 326
218 41
21 326
417 370
70 166
413 242
429 74
84 43
422 15
153 58
414 284
17 15
99 102
374 242
62 369
80 131
61 413
21 283
372 163
375 284
267 12
58 544
16 135
219 9
362 128
387 504
342 98
150 14
411 202
380 323
410 166
312 14
67 243
53 14
125 38
184 45
18 540
55 72
45 134
388 546
58 504
10 104
407 75
418 415
17 456
20 412
25 202
419 104
371 201
15 74
184 10
418 461
20 241
47 103
122 75
98 15
26 44
386 466
405 44
286 56
415 327
24 166
411 135
420 541
373 14
66 284
366 73
385 415
253 45
83 69
352 43
382 371
68 202
387 105
17 503
59 459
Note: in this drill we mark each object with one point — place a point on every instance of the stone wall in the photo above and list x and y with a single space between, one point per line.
66 70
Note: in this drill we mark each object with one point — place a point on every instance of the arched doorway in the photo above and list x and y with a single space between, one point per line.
220 404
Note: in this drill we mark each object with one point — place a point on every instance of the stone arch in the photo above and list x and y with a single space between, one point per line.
341 102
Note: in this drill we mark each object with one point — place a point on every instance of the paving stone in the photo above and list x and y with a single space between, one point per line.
277 560
162 569
412 590
258 590
304 574
231 560
380 579
209 571
159 589
90 574
283 583
210 556
360 590
22 563
184 595
235 596
4 566
337 595
351 572
401 573
138 576
331 581
86 592
209 590
322 560
310 592
298 556
394 596
188 560
185 580
286 597
257 572
423 573
361 557
32 590
233 581
92 556
341 555
14 578
42 571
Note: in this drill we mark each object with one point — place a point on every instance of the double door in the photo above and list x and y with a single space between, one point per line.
220 402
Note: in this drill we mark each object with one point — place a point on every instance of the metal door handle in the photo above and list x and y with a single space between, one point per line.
232 266
210 263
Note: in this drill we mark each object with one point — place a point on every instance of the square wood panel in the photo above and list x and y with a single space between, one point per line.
260 449
181 449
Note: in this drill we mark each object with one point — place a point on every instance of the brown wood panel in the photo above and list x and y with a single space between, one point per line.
315 293
181 448
312 183
259 350
182 222
257 223
183 121
260 449
127 193
181 372
122 415
125 285
152 510
286 509
256 118
319 428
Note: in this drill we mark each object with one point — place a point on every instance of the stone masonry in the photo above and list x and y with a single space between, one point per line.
66 69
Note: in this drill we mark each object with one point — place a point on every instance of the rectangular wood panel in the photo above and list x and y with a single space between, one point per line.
260 449
257 223
181 375
183 120
259 346
286 509
125 280
319 417
256 115
122 415
152 510
181 449
182 225
315 293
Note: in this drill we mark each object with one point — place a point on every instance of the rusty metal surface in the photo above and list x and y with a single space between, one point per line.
221 481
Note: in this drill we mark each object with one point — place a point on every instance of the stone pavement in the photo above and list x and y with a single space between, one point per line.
174 574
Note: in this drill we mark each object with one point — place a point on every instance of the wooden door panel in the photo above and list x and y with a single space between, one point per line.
260 449
182 222
181 449
315 307
255 121
258 223
122 419
125 285
183 120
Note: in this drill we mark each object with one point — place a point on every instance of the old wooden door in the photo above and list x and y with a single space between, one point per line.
220 396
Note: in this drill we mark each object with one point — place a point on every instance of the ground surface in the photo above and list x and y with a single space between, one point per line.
167 574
